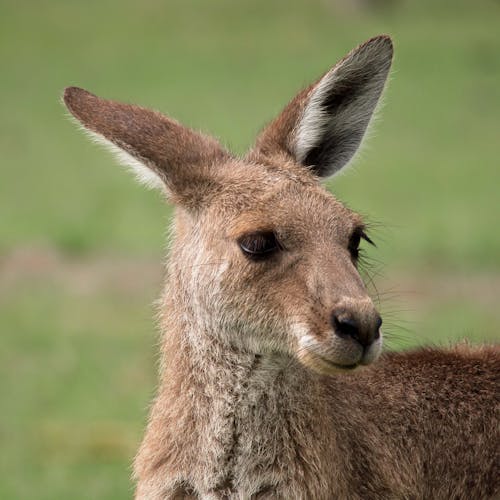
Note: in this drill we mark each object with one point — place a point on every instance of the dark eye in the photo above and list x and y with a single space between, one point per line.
354 244
355 240
259 245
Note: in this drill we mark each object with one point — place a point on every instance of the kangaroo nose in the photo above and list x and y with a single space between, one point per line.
365 329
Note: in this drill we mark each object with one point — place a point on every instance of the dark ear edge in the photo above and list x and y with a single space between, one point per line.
162 152
324 125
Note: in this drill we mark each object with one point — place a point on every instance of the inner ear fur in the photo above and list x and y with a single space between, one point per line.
162 152
323 125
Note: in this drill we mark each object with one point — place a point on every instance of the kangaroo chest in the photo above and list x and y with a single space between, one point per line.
261 437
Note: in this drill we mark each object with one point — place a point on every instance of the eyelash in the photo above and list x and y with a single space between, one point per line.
355 241
259 245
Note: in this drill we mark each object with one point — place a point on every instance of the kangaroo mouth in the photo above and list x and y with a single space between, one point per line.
340 367
324 365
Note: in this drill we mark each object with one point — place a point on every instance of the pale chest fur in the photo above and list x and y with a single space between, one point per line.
257 438
255 422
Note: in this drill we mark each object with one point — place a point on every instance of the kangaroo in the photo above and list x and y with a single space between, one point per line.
268 383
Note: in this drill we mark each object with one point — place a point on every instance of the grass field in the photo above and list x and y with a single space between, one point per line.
81 244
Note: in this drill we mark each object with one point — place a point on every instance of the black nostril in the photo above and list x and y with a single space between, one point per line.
349 326
346 327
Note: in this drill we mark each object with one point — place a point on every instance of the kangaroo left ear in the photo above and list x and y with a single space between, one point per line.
162 152
323 126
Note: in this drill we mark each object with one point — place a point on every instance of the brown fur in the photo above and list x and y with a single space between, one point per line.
258 397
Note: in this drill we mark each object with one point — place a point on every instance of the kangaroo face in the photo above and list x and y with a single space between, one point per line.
264 257
273 268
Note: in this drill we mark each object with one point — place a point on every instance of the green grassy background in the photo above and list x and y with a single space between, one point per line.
80 243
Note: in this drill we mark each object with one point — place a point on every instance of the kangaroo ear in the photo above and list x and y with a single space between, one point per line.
162 152
323 126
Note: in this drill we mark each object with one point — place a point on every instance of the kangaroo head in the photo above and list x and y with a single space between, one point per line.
263 258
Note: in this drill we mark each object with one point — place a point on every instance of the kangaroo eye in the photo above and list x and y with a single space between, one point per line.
355 240
353 246
259 245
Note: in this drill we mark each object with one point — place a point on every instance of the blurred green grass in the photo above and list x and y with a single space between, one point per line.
430 171
77 381
77 364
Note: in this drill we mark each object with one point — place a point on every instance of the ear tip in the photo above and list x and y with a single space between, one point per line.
385 38
387 41
73 95
381 43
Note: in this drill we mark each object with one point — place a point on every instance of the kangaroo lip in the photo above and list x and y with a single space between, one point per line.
315 358
339 366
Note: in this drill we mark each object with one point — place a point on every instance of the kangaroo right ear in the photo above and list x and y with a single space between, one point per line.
162 152
323 126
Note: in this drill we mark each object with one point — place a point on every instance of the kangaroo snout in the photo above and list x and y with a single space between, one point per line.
353 338
357 320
